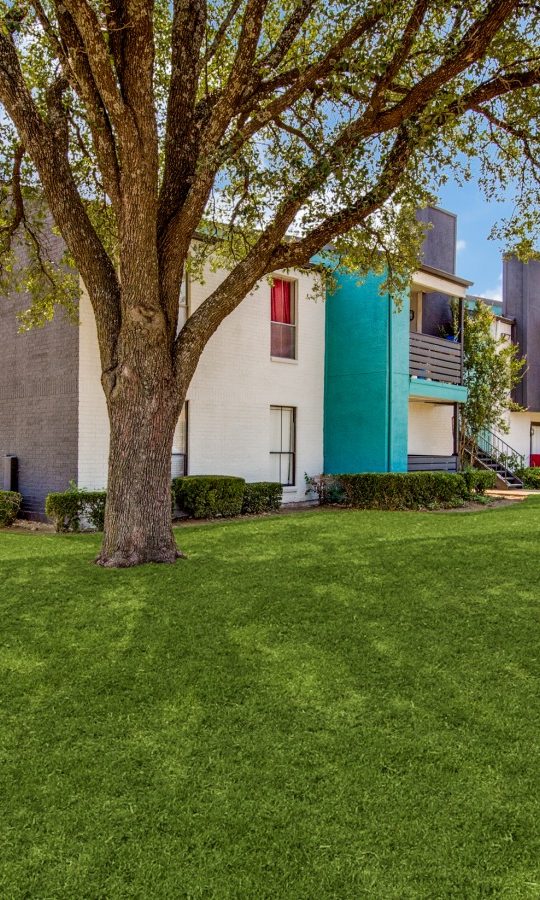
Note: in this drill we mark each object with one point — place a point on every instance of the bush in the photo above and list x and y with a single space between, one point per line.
262 496
530 478
208 496
10 504
68 508
326 487
404 490
478 481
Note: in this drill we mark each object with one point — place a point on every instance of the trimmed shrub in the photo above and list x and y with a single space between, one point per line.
10 504
404 490
209 496
68 508
478 481
530 478
262 496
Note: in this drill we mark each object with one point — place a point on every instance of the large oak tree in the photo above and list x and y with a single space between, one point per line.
274 128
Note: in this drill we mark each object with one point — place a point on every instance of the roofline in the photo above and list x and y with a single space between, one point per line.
506 319
440 209
455 279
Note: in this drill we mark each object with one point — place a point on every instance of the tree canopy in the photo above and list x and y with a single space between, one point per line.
255 119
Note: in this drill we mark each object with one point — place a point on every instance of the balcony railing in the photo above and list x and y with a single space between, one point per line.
435 358
416 463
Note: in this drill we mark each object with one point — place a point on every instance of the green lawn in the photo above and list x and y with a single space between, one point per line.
331 704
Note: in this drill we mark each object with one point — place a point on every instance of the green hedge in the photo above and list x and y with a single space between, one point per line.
209 496
261 496
68 508
10 504
478 481
530 478
403 490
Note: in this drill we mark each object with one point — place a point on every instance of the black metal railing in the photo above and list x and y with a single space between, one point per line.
435 358
493 445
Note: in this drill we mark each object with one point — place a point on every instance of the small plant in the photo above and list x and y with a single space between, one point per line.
510 460
326 487
10 504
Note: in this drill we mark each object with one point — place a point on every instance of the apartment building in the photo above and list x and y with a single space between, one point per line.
286 385
394 367
254 408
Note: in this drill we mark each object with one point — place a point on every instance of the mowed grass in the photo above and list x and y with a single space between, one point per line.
332 704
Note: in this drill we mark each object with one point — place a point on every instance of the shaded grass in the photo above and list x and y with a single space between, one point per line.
336 704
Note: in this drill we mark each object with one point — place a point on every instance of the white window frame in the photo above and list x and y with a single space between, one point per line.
294 306
281 452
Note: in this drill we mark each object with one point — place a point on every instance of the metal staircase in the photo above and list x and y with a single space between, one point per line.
489 451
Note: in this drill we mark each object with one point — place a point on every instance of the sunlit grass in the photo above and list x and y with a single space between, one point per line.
324 705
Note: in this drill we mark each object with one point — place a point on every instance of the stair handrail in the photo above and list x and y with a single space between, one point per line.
500 450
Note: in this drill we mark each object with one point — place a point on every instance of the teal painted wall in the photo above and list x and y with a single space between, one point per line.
366 379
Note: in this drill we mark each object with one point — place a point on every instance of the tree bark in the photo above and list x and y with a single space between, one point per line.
138 514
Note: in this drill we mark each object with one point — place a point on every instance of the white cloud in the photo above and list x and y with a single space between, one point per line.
460 245
494 293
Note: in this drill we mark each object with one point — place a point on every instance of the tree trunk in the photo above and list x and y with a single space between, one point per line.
138 514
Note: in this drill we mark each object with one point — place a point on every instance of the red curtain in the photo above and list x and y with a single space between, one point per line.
281 301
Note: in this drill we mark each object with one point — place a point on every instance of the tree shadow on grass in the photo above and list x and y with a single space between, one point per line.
332 710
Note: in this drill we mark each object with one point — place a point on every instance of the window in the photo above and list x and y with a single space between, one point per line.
283 319
183 303
283 444
180 445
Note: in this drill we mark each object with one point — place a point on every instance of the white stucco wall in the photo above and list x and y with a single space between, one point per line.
230 396
430 429
519 436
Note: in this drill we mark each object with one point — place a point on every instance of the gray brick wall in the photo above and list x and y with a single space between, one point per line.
439 252
521 300
38 402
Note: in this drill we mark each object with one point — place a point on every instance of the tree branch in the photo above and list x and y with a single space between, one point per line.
287 37
299 252
8 231
225 23
63 198
471 48
87 23
70 52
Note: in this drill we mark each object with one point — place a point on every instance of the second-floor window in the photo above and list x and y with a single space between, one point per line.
283 319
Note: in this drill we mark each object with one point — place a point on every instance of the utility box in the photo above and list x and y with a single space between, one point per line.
10 473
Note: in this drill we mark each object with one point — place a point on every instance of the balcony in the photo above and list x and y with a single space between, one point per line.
435 359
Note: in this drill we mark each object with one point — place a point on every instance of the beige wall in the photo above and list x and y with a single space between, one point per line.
430 429
230 397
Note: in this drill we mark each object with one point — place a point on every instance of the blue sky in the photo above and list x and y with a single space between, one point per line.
478 259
